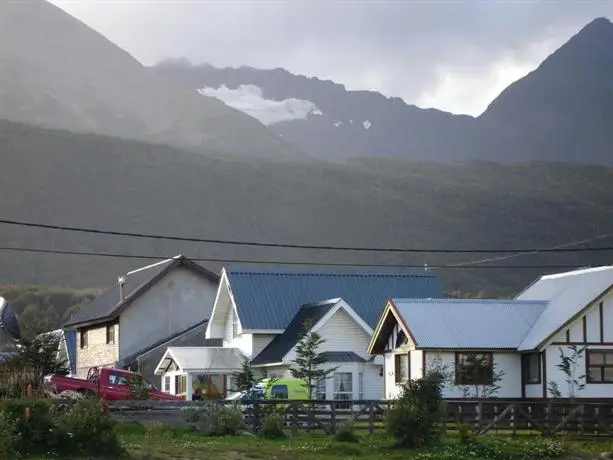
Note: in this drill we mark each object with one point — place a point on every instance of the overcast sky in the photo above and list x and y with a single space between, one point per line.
452 55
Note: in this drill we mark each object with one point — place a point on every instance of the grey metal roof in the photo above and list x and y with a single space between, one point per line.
469 324
342 357
567 293
108 304
269 297
134 356
203 359
283 343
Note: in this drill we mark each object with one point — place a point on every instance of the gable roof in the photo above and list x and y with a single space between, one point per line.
568 295
267 298
283 343
201 359
468 324
108 305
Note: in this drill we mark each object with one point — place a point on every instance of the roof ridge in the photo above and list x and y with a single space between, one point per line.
481 301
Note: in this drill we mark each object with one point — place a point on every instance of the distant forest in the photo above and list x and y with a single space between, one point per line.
104 183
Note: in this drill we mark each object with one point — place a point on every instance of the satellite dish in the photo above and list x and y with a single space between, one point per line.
9 326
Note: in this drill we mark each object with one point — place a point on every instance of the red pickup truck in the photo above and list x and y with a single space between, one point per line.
109 384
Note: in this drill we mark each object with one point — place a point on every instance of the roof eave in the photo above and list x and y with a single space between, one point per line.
278 363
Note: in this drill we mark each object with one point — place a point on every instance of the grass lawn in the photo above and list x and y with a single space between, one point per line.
169 444
163 443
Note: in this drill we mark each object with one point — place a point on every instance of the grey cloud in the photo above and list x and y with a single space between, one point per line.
396 47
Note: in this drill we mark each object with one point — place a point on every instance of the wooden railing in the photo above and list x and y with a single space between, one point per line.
542 417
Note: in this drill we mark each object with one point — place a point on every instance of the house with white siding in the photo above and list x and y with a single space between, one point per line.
148 305
519 340
261 313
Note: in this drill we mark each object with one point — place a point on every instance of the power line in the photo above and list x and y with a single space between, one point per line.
518 254
277 262
298 246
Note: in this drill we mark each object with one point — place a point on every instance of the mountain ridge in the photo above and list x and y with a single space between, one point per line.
57 72
505 132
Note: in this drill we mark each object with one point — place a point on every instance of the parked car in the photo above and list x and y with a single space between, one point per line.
110 384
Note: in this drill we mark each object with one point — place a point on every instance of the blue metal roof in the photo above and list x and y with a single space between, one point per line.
269 297
283 343
342 357
466 324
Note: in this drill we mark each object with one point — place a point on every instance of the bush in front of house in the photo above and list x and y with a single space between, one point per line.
8 436
226 421
35 434
35 427
91 430
415 418
346 433
273 422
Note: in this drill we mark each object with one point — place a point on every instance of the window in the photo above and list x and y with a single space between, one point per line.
401 339
83 338
343 389
234 325
320 390
117 378
401 367
361 386
110 333
474 369
600 366
166 384
531 367
279 392
180 384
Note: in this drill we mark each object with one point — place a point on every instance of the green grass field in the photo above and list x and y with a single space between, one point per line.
163 443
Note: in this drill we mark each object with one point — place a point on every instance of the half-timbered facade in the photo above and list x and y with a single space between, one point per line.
515 344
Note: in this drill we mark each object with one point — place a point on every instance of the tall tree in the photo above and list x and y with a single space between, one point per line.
308 362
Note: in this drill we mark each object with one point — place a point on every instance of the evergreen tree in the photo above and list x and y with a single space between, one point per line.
308 362
244 379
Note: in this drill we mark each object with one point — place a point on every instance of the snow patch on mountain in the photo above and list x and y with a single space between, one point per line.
250 100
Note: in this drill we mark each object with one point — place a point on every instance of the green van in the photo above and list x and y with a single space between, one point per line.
284 388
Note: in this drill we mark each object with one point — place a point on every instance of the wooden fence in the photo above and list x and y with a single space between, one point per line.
546 418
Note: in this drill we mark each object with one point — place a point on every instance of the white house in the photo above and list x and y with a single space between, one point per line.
148 304
523 338
260 313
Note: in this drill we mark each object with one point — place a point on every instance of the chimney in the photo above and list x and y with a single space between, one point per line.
121 282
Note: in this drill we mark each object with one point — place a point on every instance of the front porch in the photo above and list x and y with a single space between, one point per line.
186 369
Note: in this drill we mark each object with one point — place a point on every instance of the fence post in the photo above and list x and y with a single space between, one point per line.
256 416
581 418
479 416
371 417
332 418
294 419
513 425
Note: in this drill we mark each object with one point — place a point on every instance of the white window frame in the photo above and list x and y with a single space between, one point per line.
346 395
361 386
320 390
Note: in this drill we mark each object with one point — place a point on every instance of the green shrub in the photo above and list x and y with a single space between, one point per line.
346 433
464 434
272 425
226 421
91 430
8 436
414 419
37 434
